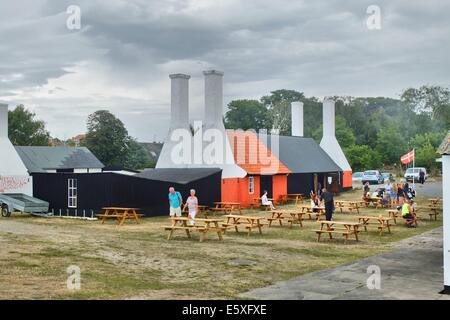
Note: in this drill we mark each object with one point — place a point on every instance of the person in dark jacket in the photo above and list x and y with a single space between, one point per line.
422 176
328 200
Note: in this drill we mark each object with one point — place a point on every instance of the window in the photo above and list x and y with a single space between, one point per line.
251 184
72 192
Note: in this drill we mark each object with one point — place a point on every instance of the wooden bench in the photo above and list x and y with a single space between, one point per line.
345 228
381 222
121 214
202 229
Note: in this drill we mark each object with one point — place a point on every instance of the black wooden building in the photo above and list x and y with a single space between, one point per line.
86 193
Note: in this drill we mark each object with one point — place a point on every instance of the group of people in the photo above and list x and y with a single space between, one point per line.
176 202
393 193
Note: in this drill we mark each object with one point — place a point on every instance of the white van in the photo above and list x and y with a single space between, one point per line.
413 174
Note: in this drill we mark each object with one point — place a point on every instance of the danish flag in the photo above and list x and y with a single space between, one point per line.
407 158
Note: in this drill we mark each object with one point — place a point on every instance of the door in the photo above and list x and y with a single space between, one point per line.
266 184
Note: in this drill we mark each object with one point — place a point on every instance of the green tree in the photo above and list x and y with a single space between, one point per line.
279 105
137 156
433 99
107 138
25 130
362 157
247 114
391 145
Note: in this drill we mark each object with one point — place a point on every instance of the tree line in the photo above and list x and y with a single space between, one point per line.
374 132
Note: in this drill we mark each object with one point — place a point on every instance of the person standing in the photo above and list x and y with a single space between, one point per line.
421 176
192 205
388 191
175 202
328 199
366 188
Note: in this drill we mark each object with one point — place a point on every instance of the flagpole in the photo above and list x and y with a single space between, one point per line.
414 165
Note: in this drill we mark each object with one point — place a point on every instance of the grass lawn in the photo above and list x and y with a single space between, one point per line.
137 262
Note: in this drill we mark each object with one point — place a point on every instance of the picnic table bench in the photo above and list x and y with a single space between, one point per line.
226 207
310 211
345 228
295 197
249 222
292 216
203 226
348 205
434 201
393 213
121 214
382 222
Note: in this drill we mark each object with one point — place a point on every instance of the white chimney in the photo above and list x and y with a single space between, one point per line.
179 103
329 142
3 121
329 118
213 99
14 176
297 119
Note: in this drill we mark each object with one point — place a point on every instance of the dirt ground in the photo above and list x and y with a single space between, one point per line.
137 262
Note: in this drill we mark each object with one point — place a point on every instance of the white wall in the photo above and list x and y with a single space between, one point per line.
446 205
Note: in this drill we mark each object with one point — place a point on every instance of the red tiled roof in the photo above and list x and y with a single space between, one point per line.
252 155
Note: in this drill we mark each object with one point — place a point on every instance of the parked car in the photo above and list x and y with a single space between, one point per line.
413 174
357 176
388 177
373 177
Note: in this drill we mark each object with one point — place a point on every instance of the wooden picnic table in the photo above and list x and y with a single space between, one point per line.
202 211
434 201
310 211
393 214
345 228
296 197
249 222
292 216
345 204
226 207
121 214
203 226
383 222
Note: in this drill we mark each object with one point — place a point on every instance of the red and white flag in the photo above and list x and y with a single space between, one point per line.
407 158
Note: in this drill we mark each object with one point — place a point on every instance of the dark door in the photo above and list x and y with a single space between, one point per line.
266 184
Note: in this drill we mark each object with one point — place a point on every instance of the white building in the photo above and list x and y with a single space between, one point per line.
444 150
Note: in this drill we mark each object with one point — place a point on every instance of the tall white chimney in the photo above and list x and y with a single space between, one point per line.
213 98
179 124
297 119
330 144
14 177
3 120
179 103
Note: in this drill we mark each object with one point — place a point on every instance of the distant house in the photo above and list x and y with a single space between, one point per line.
78 139
59 159
153 150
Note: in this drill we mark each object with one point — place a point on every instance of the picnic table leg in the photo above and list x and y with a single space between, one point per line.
235 224
219 232
122 219
356 233
136 217
170 234
105 215
259 227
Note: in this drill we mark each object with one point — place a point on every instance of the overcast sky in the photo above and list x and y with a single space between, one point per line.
121 57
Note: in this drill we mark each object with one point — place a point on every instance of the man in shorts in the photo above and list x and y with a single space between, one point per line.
175 202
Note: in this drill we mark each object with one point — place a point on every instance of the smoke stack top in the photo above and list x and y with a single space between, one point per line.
179 105
213 98
329 118
3 120
297 119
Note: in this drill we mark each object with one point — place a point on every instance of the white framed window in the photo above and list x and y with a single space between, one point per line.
72 185
251 184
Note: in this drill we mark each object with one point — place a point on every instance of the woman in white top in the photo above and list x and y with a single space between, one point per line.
192 204
266 202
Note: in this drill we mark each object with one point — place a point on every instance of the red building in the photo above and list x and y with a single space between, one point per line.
264 170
